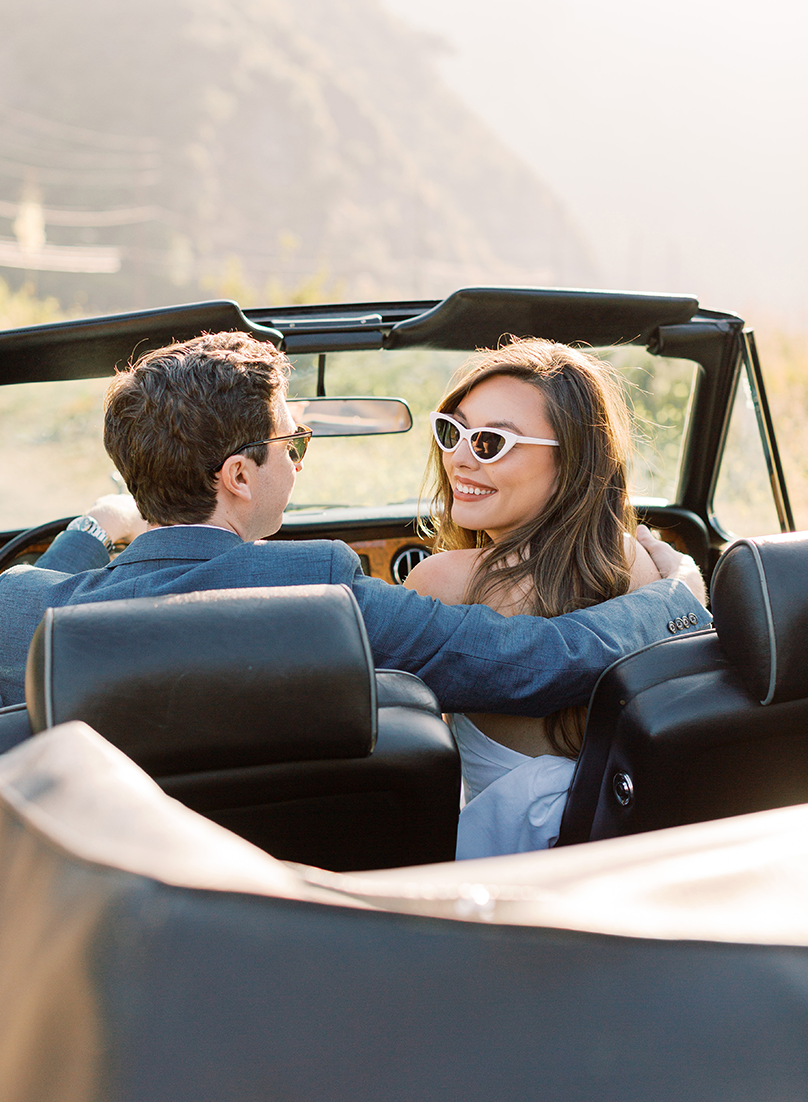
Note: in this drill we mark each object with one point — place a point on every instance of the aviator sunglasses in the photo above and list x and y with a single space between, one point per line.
297 444
487 444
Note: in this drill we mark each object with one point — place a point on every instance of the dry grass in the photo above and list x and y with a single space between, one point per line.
784 358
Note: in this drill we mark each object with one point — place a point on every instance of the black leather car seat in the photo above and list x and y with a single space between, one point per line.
260 708
707 725
14 726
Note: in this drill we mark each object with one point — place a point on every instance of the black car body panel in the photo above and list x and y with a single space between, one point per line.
147 955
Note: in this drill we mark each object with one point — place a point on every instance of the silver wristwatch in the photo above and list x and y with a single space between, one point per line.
92 528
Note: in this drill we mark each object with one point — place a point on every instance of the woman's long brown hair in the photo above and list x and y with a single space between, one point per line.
572 554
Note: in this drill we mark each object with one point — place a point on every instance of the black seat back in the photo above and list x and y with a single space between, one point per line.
710 725
215 679
15 726
259 708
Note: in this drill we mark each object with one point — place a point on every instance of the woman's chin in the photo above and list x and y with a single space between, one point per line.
471 515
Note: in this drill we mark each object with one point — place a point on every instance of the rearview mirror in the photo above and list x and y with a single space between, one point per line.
351 416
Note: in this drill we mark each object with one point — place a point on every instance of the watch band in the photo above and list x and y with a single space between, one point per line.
92 528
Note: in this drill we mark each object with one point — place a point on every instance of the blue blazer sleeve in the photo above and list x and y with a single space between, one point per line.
473 658
476 660
72 552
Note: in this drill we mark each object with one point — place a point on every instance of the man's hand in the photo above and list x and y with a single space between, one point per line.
118 516
672 564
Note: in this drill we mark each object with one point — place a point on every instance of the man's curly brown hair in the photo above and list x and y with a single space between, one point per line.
171 418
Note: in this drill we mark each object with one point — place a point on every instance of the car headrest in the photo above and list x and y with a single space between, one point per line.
211 680
759 597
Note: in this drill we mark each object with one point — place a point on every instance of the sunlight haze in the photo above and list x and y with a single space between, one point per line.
674 134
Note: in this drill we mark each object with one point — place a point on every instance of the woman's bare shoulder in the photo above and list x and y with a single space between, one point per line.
445 575
641 564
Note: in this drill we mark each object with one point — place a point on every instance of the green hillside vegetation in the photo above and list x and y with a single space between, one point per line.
23 307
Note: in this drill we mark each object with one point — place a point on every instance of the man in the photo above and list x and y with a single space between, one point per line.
207 446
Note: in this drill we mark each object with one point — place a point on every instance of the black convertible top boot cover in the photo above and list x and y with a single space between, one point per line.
147 954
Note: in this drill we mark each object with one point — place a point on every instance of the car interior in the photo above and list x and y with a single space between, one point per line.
665 743
277 726
704 725
294 741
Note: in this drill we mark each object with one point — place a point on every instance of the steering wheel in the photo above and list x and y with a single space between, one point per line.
28 538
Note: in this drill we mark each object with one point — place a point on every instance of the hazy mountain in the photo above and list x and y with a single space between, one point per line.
169 149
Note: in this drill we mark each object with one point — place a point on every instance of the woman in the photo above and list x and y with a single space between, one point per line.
530 515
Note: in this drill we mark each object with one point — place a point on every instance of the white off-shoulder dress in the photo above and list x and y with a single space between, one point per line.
514 803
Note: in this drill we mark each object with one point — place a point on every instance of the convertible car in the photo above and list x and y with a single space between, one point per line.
291 923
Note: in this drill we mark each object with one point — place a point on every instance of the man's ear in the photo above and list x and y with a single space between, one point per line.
236 476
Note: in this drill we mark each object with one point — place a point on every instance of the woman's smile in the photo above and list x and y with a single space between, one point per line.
466 489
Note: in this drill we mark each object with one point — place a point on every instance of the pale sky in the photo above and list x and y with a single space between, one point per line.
676 134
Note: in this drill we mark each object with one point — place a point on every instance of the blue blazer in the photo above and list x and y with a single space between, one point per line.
471 657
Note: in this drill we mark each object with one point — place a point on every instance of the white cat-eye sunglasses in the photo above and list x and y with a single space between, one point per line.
487 444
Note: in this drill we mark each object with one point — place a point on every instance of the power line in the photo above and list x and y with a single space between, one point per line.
101 178
19 148
81 134
120 216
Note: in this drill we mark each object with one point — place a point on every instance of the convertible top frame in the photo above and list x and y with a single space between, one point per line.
469 318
